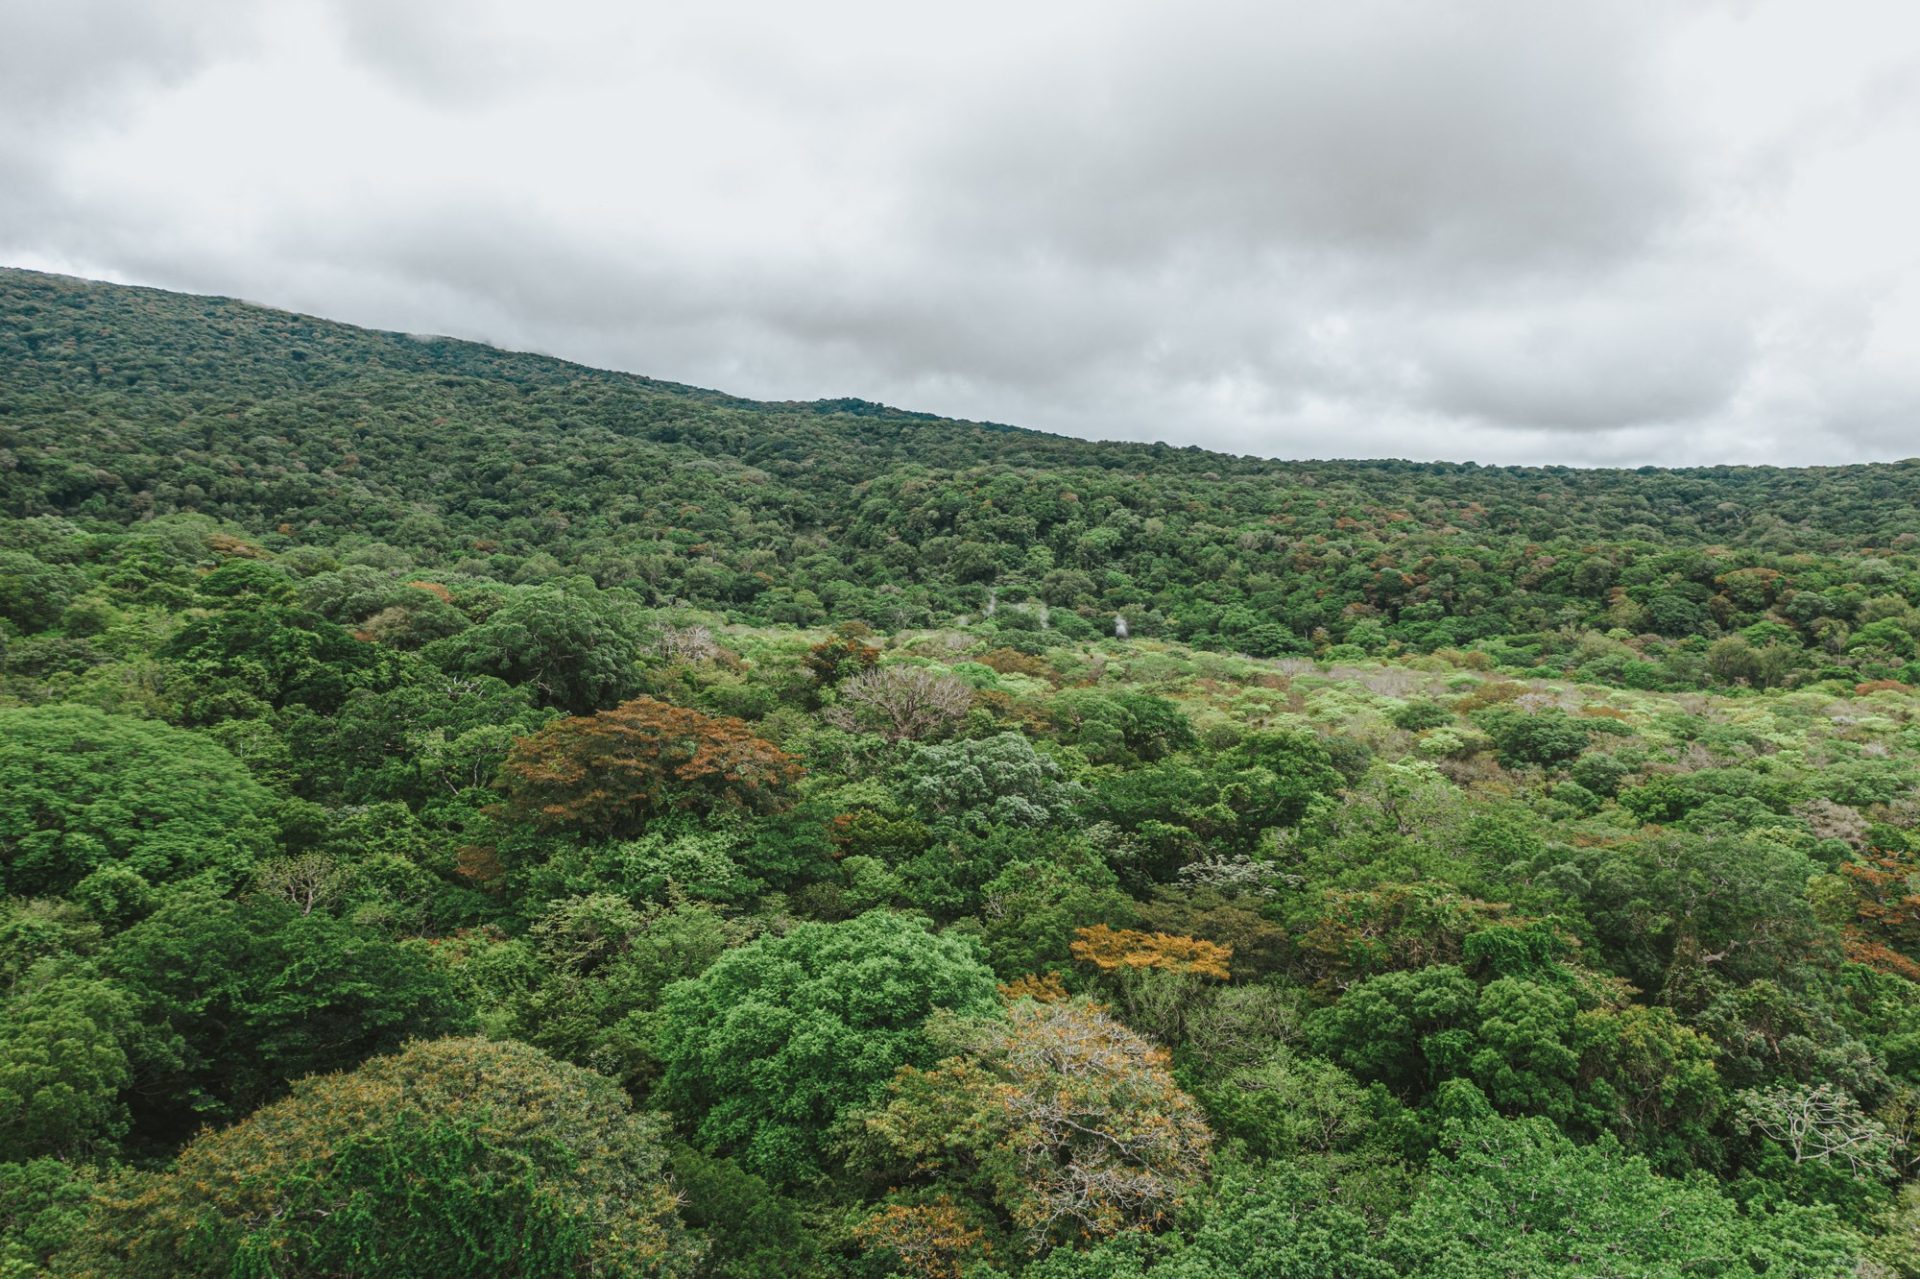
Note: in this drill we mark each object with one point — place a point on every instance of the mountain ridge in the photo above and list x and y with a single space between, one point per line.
861 407
120 404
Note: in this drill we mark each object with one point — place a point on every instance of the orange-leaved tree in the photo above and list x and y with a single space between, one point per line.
1042 988
1123 948
840 656
936 1240
609 773
1885 930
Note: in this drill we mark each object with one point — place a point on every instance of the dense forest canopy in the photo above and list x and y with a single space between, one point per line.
464 813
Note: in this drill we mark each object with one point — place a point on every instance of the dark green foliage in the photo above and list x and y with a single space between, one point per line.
1414 716
80 790
1002 780
749 1230
1742 901
1120 729
1181 806
33 594
1275 775
1285 1226
423 741
1599 774
249 995
43 1208
248 578
599 968
1032 909
777 1039
256 654
1282 1223
1403 1028
63 1067
576 649
528 467
1546 738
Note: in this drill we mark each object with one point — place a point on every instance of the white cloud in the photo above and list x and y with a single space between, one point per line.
1499 230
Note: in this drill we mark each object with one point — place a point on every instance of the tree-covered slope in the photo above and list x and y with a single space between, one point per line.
119 403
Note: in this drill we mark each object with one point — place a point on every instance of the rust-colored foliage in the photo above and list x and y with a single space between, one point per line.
1116 948
1886 931
1873 954
1011 661
1497 692
931 1240
610 772
1363 932
228 544
479 865
864 832
1045 988
1465 659
444 595
843 655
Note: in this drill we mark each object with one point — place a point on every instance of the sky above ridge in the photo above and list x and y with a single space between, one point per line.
1572 232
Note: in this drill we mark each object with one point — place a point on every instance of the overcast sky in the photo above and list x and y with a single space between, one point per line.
1509 232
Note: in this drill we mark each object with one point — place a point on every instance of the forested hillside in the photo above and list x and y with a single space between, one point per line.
118 405
462 813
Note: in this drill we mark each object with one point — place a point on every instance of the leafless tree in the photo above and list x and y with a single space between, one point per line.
686 644
1104 1137
900 702
1820 1125
1830 820
1393 681
309 880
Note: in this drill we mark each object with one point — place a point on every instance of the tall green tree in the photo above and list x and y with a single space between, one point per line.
81 789
772 1044
578 648
64 1067
253 994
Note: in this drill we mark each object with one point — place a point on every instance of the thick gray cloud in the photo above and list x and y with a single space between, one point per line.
1594 231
